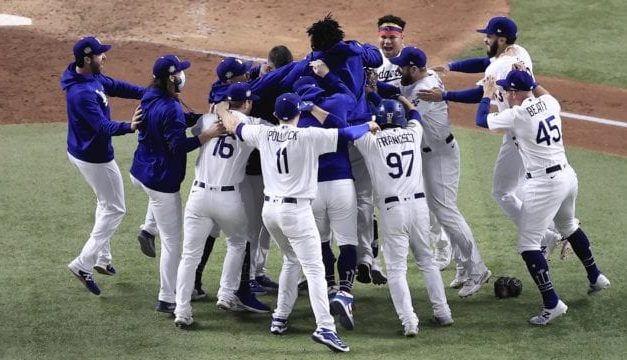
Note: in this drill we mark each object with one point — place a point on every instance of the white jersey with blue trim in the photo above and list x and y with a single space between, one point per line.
388 72
222 160
394 160
289 157
537 125
501 66
437 126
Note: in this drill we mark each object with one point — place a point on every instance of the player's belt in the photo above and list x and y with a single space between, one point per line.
390 199
449 139
220 188
541 172
288 200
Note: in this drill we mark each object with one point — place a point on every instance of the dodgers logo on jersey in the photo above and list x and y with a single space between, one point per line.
102 95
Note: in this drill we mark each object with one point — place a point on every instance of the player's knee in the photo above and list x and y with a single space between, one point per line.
568 228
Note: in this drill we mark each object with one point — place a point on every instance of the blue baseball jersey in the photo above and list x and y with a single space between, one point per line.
89 117
161 156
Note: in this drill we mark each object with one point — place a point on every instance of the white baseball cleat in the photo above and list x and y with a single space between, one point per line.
228 304
410 330
278 326
602 283
546 315
460 278
474 283
182 321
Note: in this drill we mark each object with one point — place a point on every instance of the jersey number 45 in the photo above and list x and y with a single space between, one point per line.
543 135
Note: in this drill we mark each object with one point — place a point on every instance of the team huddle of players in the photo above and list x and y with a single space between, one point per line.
302 152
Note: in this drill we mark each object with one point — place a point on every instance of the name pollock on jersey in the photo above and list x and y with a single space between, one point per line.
536 108
395 139
274 135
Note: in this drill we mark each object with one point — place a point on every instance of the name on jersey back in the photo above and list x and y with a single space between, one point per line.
280 136
395 139
536 108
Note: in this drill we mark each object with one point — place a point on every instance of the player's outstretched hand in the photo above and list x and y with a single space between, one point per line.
319 68
137 118
228 120
374 127
489 86
433 95
441 69
306 106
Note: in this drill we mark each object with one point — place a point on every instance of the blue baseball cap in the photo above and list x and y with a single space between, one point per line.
410 55
500 26
240 91
89 45
230 67
167 65
517 80
286 106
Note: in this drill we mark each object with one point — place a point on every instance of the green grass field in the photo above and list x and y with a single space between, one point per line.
47 212
579 40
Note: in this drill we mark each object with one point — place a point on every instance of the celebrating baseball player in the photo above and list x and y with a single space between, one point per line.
393 157
89 149
220 169
335 204
289 161
391 37
159 165
441 165
550 189
503 52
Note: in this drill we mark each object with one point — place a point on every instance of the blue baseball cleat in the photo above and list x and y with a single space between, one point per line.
86 278
342 305
266 282
249 302
330 339
165 307
256 288
278 326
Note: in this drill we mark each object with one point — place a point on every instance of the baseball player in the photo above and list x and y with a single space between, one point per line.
441 165
289 161
503 52
550 189
89 149
159 164
335 205
220 170
391 37
393 157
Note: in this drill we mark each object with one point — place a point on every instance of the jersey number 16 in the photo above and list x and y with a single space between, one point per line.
543 134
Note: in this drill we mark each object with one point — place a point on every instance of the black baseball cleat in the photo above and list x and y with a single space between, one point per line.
363 273
165 307
147 243
105 269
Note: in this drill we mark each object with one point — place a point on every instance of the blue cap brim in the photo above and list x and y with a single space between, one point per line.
103 49
183 65
483 31
503 83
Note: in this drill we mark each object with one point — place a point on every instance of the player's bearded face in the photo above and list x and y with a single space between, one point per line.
406 78
492 44
97 61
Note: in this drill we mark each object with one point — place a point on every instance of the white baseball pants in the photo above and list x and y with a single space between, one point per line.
547 198
294 229
166 209
335 210
252 195
441 177
405 225
106 181
365 207
206 208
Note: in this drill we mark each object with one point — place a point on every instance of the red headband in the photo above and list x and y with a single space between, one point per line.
390 29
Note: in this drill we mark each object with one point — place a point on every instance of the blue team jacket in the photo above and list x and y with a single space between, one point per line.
346 59
89 117
161 156
335 165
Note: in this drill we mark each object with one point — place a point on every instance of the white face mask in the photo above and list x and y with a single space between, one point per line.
179 82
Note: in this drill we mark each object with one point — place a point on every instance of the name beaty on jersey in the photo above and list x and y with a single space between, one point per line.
536 108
